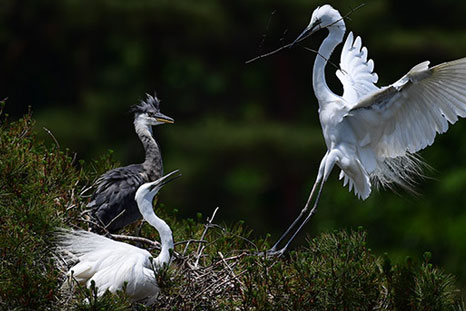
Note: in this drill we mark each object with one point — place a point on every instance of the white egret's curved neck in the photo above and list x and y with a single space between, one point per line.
321 89
166 236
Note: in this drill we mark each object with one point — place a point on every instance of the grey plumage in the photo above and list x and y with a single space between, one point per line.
113 201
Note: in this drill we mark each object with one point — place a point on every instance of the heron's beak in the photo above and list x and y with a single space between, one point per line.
163 118
165 179
312 28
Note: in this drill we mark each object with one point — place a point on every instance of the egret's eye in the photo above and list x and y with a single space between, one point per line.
151 114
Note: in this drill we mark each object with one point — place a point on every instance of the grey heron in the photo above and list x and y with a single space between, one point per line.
372 133
113 201
111 263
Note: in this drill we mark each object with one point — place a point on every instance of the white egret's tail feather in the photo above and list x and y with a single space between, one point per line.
357 180
400 171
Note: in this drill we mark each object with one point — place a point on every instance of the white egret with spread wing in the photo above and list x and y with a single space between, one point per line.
372 132
111 263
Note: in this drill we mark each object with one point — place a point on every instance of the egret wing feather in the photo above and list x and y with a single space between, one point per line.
405 117
356 71
80 242
108 263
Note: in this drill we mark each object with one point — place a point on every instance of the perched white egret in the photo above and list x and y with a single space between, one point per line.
111 263
113 202
372 132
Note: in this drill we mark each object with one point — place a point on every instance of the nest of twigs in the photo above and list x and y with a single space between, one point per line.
206 265
203 272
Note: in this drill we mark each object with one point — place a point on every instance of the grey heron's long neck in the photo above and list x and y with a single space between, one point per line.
166 235
153 161
319 83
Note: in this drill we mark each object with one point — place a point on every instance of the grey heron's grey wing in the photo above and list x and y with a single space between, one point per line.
113 202
406 116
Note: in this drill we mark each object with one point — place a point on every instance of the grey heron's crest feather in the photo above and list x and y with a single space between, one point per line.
151 104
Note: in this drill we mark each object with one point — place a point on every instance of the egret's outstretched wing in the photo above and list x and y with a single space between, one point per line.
406 116
80 242
356 72
108 263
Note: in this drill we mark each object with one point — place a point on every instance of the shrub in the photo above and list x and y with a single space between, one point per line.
215 267
36 185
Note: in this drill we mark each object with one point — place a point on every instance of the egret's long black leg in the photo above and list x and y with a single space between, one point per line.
326 166
301 214
306 220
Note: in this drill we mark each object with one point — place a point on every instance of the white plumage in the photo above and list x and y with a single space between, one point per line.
111 263
372 132
400 119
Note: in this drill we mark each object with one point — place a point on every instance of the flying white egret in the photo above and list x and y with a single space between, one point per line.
113 202
372 132
111 263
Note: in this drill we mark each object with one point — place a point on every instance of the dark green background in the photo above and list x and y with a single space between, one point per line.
246 137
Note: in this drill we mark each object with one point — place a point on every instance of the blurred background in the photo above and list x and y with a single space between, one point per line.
247 136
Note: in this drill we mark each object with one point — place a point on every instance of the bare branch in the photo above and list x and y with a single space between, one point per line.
346 16
156 244
268 54
107 225
264 35
53 137
190 241
201 246
229 268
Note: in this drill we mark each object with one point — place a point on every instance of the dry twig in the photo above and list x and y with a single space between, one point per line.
201 246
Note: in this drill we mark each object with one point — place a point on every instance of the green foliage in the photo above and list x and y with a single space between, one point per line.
335 272
420 286
87 300
39 186
35 187
344 272
215 267
338 272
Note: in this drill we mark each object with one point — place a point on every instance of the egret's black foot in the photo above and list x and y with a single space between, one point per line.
272 253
